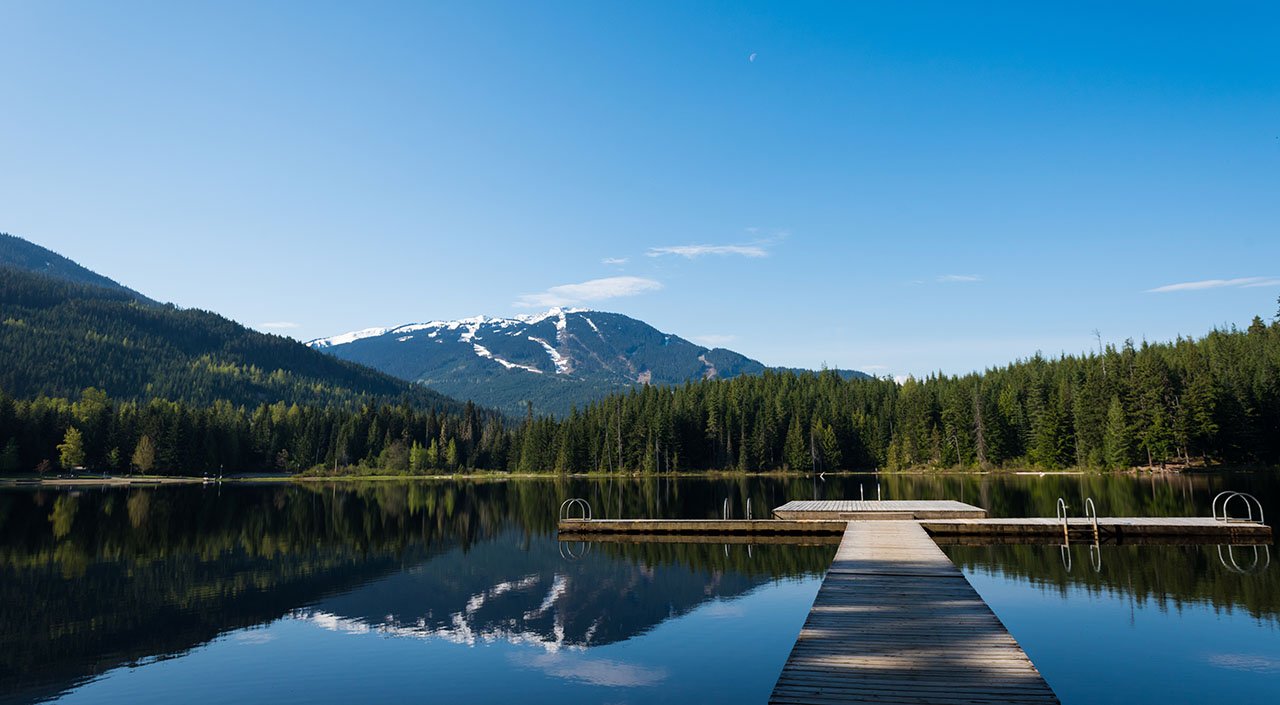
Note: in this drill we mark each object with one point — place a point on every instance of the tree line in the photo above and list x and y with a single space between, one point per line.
97 433
58 337
1215 399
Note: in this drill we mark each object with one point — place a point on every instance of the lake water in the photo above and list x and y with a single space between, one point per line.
449 592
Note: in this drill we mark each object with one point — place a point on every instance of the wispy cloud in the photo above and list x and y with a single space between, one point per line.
959 278
255 636
1237 283
593 671
279 325
696 251
584 292
711 340
871 368
614 260
1253 663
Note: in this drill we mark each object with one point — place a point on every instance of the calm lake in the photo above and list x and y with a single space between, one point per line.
447 592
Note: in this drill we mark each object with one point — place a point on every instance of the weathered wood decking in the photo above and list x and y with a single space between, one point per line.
896 622
703 527
878 509
945 520
1113 529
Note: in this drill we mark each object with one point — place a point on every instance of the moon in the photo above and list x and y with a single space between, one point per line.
752 58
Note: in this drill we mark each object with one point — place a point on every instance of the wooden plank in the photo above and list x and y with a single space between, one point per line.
896 622
706 527
754 539
1109 528
877 509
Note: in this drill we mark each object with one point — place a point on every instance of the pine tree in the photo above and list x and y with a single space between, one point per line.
796 448
451 455
829 446
144 455
1116 441
417 459
71 450
433 454
10 461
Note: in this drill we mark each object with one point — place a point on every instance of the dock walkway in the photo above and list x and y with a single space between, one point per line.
895 621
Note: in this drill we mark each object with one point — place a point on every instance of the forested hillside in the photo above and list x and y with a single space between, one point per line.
1215 399
16 253
58 338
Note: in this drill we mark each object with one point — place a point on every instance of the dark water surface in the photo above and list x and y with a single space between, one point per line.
458 591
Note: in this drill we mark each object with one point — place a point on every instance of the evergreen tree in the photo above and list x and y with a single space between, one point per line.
1116 440
451 457
829 448
144 455
797 449
10 460
417 459
71 450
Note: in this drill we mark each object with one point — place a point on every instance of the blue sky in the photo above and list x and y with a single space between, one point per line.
896 187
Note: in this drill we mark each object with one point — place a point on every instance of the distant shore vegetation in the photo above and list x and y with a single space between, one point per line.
1211 400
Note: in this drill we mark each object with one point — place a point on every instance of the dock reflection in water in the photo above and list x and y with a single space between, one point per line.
340 592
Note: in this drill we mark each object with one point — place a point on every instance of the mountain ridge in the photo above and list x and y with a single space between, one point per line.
65 328
17 253
557 360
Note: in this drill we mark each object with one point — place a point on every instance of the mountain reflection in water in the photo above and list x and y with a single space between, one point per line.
97 579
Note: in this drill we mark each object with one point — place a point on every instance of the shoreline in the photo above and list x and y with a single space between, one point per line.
173 480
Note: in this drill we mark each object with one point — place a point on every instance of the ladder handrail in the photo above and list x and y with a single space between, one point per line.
1061 512
1091 512
567 550
567 505
1213 506
1249 503
1256 567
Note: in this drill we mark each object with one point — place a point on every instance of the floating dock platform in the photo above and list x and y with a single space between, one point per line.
889 509
895 621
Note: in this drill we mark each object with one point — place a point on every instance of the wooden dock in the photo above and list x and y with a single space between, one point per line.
639 528
1110 529
944 520
896 622
889 509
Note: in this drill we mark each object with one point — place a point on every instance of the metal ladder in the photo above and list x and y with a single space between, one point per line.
1223 500
566 507
1095 548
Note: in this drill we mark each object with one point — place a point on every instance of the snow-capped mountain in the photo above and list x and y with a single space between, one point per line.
557 359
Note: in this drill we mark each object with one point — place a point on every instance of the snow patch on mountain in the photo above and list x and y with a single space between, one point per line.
482 351
469 327
711 369
563 365
351 337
